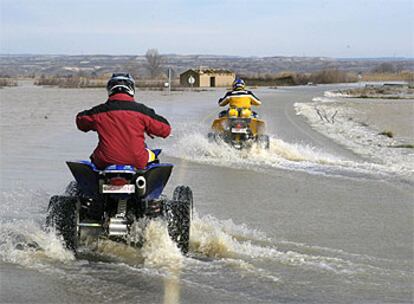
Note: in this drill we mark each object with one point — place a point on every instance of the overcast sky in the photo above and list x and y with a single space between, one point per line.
348 28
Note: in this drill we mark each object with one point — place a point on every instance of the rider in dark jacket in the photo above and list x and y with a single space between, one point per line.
121 124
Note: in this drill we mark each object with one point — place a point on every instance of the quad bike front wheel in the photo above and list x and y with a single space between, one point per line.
263 142
178 215
215 138
63 213
211 137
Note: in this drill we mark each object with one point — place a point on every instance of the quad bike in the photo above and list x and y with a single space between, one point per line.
107 202
239 132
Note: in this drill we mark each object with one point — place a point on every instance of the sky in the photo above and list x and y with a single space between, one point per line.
328 28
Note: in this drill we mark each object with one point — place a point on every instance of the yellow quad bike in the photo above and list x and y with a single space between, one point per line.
239 132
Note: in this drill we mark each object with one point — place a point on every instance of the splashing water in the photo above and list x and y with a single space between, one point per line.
242 247
282 155
230 245
157 251
158 247
23 240
215 238
25 243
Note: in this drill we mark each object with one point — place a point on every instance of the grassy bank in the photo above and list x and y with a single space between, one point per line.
399 76
71 82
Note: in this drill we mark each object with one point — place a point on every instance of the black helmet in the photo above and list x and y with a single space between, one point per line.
121 83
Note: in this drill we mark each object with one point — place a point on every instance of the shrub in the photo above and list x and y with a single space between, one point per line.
71 82
7 82
387 133
402 76
332 76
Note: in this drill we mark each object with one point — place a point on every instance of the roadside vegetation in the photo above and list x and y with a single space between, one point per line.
325 77
70 81
8 82
252 79
93 82
389 72
294 78
387 133
389 76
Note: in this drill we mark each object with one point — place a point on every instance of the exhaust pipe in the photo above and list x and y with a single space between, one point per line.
141 184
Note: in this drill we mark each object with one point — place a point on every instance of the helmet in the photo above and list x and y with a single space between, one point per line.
238 84
121 83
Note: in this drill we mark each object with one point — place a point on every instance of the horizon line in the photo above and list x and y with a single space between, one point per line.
212 55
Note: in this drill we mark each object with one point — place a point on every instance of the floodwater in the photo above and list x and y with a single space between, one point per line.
322 217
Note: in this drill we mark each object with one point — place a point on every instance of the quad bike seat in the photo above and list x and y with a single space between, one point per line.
123 168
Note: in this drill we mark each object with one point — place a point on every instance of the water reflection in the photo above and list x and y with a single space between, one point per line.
172 287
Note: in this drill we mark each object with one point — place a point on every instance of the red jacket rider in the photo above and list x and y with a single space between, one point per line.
121 124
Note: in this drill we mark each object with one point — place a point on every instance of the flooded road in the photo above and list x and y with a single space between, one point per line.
313 220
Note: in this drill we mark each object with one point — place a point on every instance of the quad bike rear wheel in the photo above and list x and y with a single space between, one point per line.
72 189
178 214
63 213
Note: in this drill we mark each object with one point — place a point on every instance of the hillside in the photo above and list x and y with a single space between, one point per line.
29 65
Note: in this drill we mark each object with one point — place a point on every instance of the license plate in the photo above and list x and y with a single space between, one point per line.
128 188
239 130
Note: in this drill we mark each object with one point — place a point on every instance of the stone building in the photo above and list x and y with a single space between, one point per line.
206 77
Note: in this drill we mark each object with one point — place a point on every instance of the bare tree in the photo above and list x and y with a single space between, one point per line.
154 62
385 67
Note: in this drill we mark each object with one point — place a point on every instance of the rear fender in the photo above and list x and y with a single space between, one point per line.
86 175
156 176
257 126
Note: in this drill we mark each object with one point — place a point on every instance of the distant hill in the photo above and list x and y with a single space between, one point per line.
36 65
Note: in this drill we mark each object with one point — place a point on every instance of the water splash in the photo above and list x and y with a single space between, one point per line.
282 155
157 250
26 243
242 247
23 240
158 247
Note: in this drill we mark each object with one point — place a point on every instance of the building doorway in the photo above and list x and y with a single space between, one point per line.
212 81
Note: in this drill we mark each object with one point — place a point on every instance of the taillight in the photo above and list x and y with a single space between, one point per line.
118 181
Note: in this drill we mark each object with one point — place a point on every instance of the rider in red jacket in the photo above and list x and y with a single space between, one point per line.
121 124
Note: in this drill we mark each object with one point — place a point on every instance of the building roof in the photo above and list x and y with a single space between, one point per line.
209 71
